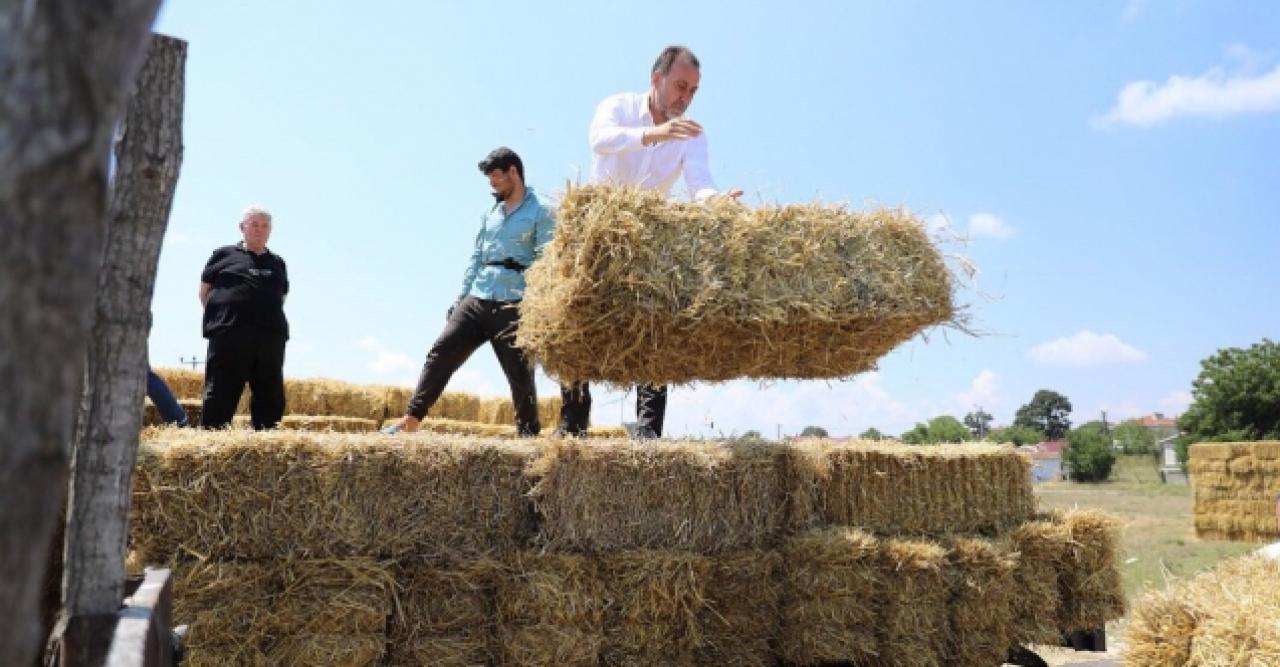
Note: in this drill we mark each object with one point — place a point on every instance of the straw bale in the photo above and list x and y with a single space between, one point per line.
320 424
262 495
656 598
913 622
250 608
550 610
446 612
1226 616
707 497
723 291
1041 547
904 489
184 383
315 650
740 618
981 586
1268 450
833 585
455 405
1092 591
502 411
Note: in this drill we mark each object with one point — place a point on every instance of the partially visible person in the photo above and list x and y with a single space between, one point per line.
243 289
1272 550
645 140
170 410
512 235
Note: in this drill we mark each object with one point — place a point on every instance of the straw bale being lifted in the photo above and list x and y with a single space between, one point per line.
707 497
1236 486
905 489
637 289
289 612
262 495
1226 616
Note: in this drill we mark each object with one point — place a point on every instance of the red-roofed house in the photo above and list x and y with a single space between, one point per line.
1046 459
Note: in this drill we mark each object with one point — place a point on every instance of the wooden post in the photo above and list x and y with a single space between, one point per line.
65 67
148 158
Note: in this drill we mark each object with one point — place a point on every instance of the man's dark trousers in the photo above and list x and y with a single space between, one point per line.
575 409
473 323
234 358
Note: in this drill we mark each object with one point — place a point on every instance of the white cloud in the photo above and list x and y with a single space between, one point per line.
986 225
1176 402
983 391
1086 348
385 361
1214 94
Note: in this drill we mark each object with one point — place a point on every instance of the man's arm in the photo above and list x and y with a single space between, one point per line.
204 293
473 265
609 133
544 231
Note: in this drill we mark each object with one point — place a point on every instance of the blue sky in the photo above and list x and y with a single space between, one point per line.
1109 166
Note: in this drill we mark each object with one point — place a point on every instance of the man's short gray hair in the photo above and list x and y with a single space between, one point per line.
255 212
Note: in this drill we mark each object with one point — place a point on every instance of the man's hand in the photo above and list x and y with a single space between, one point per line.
676 128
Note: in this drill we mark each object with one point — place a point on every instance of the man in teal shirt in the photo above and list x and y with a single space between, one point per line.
512 235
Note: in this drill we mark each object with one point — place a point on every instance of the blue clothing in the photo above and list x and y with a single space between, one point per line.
519 235
170 411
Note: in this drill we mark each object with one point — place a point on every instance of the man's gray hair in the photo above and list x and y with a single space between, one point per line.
255 212
662 65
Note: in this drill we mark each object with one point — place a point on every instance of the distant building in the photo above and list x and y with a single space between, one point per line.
1171 471
1161 426
1046 459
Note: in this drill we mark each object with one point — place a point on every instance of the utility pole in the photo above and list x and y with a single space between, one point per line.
193 361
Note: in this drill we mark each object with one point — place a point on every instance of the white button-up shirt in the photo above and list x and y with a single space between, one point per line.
620 157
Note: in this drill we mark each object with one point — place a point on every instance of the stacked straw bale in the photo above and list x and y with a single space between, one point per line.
320 424
446 613
1226 616
696 496
183 382
560 551
502 411
893 488
718 291
1236 487
292 612
243 495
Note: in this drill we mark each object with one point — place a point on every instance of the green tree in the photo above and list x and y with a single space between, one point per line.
1134 438
1089 454
1237 392
872 433
813 432
1048 412
937 430
979 423
1018 435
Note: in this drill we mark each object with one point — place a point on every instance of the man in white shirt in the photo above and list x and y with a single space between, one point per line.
645 140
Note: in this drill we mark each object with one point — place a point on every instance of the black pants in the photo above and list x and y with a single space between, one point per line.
237 357
575 410
473 323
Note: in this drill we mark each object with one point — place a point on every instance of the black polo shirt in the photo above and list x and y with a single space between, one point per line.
247 294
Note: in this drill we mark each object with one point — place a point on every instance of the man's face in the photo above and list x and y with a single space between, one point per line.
676 88
256 230
503 183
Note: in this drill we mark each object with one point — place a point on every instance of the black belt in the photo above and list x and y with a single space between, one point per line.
508 263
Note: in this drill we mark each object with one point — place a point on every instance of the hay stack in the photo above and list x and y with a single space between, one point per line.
705 497
446 613
550 610
317 424
455 405
637 289
739 619
1236 487
980 611
262 495
657 598
833 586
193 407
903 489
183 382
502 411
291 612
1226 616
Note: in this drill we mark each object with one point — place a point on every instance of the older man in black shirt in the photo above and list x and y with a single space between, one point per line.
242 289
